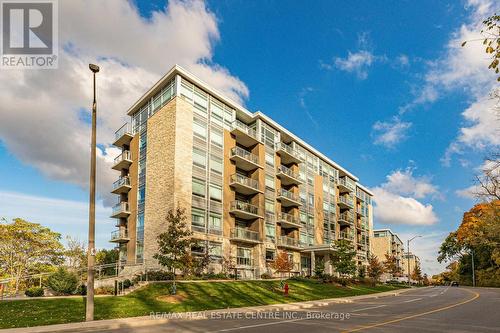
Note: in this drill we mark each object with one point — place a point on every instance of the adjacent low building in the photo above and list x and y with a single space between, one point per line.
249 186
410 261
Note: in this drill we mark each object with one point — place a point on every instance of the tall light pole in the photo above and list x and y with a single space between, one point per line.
89 309
408 257
473 273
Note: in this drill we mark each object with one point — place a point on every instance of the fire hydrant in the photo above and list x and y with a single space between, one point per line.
286 289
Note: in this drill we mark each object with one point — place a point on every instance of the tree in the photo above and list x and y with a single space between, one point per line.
281 264
24 245
107 257
362 272
488 181
391 265
375 268
63 281
425 280
343 258
491 41
417 273
75 253
175 243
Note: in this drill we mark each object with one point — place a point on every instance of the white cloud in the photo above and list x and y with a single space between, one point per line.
42 110
396 200
68 217
357 62
403 60
390 133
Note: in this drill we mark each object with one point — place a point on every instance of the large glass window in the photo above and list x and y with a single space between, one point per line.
216 164
199 128
216 137
270 231
215 192
198 187
270 182
197 217
215 221
215 249
269 206
199 157
269 159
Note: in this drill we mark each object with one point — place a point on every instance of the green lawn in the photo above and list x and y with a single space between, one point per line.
198 296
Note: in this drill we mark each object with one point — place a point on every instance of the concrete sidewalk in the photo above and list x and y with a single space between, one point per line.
151 320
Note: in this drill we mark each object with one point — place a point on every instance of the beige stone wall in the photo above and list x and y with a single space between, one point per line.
318 209
132 199
381 246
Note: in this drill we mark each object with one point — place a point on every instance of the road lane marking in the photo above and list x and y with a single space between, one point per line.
263 324
476 295
371 307
412 300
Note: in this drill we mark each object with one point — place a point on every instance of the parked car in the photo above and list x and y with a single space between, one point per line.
454 284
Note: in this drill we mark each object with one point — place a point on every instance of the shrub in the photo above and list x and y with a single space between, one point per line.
81 290
63 282
34 292
105 291
159 275
214 276
265 276
127 283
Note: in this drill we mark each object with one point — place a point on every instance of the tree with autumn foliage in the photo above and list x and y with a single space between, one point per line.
282 264
375 269
391 265
416 275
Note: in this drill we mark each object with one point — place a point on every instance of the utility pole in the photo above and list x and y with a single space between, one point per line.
408 257
89 309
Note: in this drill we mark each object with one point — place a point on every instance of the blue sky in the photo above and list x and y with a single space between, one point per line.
384 89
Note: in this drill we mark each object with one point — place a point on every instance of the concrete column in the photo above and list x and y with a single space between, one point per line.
328 264
313 262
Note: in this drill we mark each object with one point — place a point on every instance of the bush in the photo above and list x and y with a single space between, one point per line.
63 282
265 276
81 290
105 291
34 292
159 275
127 283
214 276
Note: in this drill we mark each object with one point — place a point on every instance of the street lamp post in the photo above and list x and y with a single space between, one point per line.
473 273
408 257
89 309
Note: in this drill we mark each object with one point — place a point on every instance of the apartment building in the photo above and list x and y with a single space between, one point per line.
250 187
412 260
386 242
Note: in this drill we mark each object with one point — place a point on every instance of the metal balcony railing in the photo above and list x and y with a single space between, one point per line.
288 241
289 218
245 207
126 129
237 124
289 172
346 200
125 155
242 180
288 149
347 183
122 181
121 207
288 194
238 151
346 216
242 233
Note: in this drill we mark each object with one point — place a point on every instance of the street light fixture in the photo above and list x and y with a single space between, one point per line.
408 257
89 309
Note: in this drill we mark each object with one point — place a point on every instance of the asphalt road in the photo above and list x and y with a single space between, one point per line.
437 309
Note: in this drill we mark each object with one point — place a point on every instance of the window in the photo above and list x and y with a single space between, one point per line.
269 158
303 217
215 249
311 199
269 206
198 248
214 222
215 192
228 117
197 217
270 181
303 238
200 99
216 137
216 164
270 231
198 187
199 128
269 255
199 158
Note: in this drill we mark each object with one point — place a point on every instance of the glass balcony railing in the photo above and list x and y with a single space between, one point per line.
289 172
124 156
242 233
288 149
346 216
288 194
346 235
245 207
244 261
237 124
240 152
289 218
119 234
126 129
346 200
245 181
346 183
288 241
121 207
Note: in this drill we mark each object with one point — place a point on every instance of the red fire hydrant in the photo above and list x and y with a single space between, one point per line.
286 289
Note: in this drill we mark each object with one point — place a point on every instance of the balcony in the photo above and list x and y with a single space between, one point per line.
345 185
122 185
360 211
120 210
345 202
244 134
122 161
288 198
245 210
287 153
346 236
244 159
245 235
119 236
289 220
244 185
288 242
244 262
287 176
123 136
346 218
360 195
361 255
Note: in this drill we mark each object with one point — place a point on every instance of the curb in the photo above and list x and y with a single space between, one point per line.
112 324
